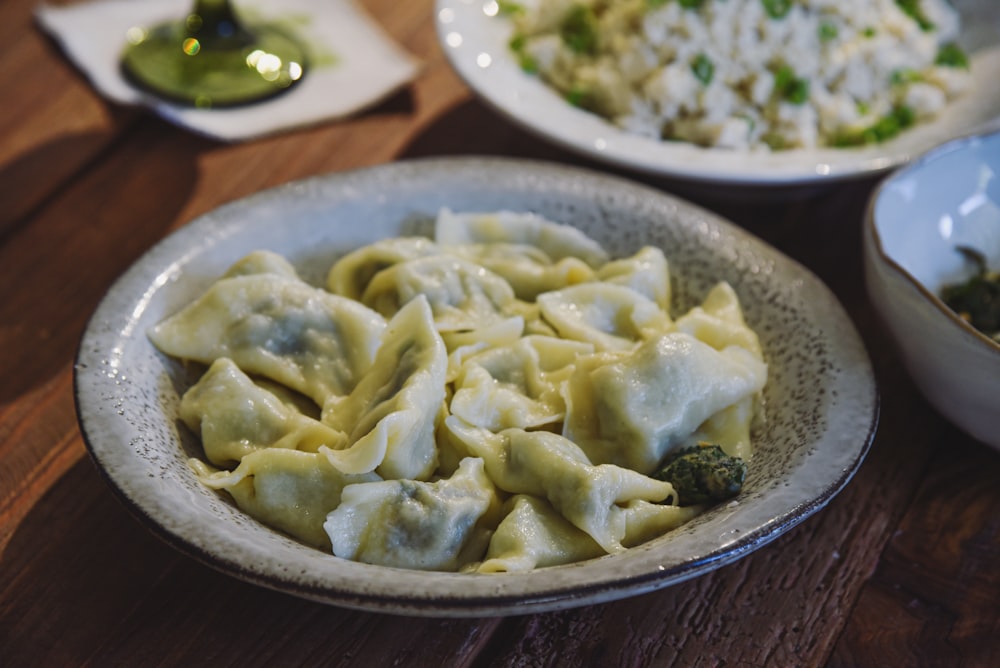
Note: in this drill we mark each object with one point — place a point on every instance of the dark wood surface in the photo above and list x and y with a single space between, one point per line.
900 569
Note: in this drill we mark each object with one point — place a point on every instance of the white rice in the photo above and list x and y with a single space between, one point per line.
873 58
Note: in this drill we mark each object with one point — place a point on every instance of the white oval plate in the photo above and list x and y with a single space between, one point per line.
475 41
821 397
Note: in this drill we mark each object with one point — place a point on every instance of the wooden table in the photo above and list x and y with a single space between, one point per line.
900 569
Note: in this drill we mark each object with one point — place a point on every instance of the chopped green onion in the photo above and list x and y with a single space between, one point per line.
952 55
904 76
774 140
580 97
686 4
799 93
905 116
579 30
790 87
703 68
827 32
777 9
912 9
884 129
526 61
868 32
509 8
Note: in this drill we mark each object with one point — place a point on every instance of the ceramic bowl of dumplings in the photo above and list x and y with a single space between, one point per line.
814 419
917 222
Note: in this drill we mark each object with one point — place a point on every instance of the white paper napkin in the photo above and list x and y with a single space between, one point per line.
355 65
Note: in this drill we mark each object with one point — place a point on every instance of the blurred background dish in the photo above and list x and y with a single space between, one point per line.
821 401
208 58
475 36
917 221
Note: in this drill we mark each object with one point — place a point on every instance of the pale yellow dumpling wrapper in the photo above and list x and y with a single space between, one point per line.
647 272
412 524
462 295
609 316
314 342
533 534
505 417
517 385
234 417
557 241
389 417
527 269
632 408
287 489
351 274
550 466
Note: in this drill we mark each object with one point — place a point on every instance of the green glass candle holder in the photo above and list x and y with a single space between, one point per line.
212 59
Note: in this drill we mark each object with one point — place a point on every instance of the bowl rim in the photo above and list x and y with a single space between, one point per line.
871 223
425 603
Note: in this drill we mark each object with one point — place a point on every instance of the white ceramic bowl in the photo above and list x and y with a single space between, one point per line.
949 197
475 37
821 401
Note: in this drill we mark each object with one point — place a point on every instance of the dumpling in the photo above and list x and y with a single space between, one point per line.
719 322
645 521
612 317
465 344
389 417
632 408
557 241
487 402
533 535
451 449
290 490
409 524
280 328
516 385
528 270
729 429
550 466
462 295
262 262
350 275
531 314
553 355
646 272
235 417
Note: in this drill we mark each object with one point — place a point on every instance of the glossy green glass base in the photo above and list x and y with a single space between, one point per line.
170 63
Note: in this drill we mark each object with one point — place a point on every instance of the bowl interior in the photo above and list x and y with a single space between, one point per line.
948 199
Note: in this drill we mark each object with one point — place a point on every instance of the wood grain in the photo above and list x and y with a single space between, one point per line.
937 590
53 125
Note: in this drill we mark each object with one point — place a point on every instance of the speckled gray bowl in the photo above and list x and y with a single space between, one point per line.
821 398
